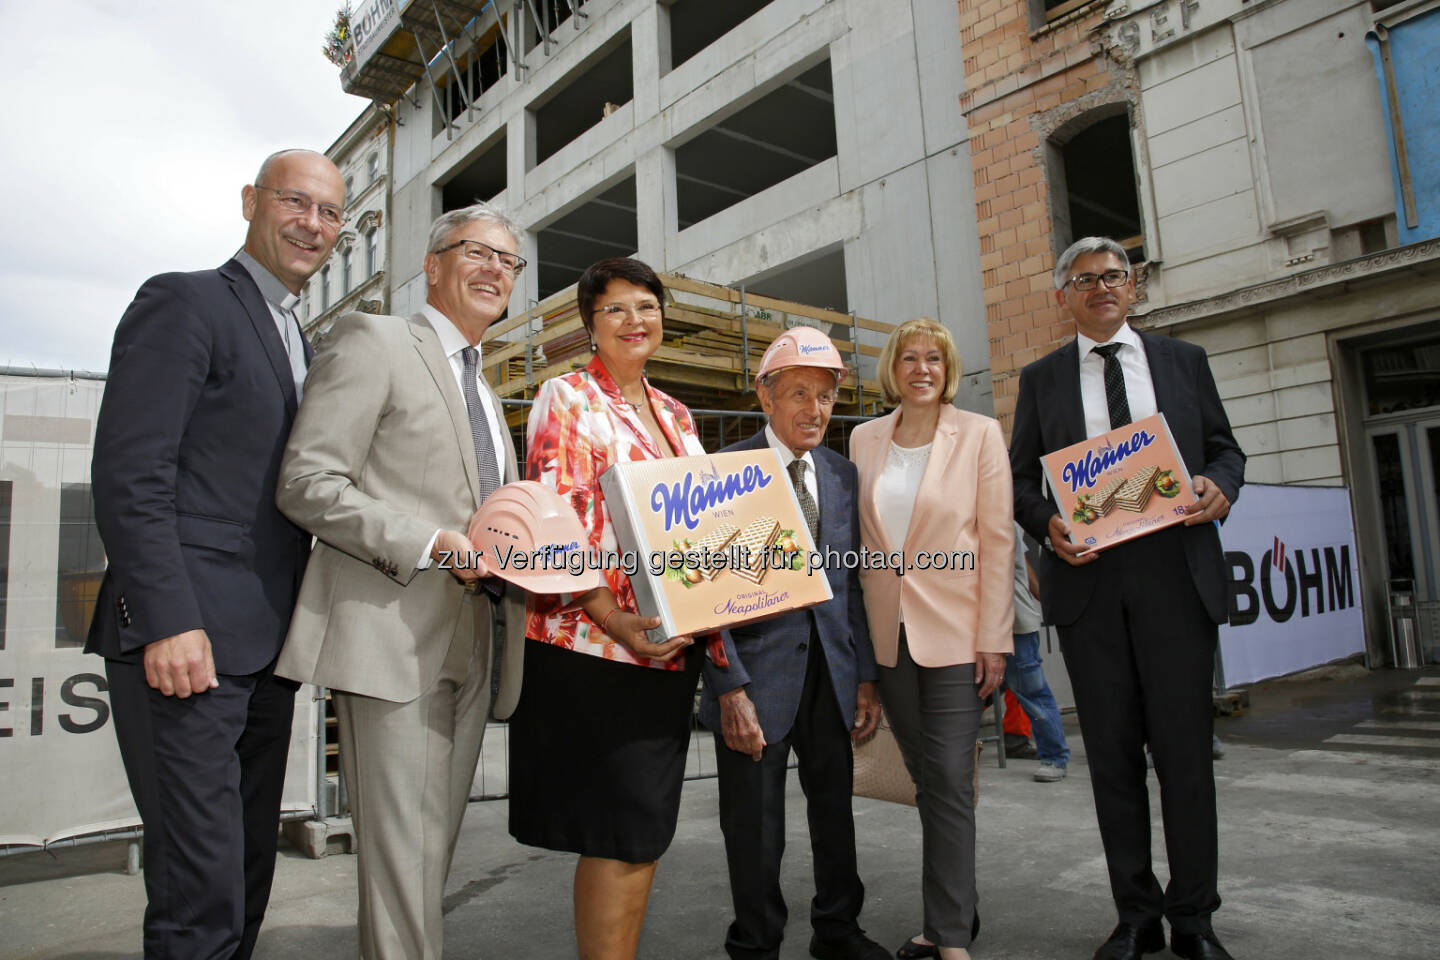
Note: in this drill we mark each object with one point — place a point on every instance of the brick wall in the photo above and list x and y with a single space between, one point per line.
1020 88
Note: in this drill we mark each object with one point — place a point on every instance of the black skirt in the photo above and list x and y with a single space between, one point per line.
597 753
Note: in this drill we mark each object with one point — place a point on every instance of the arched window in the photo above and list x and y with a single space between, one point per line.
347 262
372 252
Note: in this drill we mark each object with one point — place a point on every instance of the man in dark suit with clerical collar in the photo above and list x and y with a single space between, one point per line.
205 379
803 681
1138 621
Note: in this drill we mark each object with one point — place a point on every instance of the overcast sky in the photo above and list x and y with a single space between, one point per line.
132 127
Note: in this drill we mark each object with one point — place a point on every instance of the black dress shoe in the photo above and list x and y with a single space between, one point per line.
1198 946
855 946
911 950
1130 942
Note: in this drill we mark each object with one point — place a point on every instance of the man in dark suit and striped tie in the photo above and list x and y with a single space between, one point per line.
1137 622
803 681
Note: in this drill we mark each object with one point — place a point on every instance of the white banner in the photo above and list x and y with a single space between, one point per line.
62 771
1294 581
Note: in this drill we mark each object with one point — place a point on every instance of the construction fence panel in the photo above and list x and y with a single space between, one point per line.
63 775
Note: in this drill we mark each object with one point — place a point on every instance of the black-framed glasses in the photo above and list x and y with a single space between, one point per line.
300 203
477 252
1085 282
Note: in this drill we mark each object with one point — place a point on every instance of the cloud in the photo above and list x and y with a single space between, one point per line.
133 127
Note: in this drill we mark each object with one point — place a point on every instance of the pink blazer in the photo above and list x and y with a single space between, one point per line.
963 505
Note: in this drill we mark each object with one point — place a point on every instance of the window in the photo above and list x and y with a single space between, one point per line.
372 168
349 189
789 130
372 252
482 176
325 288
602 226
480 70
695 24
1091 172
347 261
585 97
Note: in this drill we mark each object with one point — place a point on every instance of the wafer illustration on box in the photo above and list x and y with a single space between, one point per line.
754 543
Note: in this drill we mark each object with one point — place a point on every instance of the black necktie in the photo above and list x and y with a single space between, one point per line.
485 459
1115 397
807 502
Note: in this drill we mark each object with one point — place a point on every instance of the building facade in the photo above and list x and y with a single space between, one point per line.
355 276
1270 166
803 149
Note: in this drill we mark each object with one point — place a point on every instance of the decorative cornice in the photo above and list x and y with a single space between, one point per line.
1307 282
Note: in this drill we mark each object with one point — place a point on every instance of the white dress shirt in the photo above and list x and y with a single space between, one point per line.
1139 387
786 456
452 341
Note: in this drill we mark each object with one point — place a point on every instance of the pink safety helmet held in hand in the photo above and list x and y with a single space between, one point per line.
801 347
529 535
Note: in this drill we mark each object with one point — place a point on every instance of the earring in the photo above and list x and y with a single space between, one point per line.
594 347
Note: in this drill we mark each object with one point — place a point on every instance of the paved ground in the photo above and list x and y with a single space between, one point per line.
1330 847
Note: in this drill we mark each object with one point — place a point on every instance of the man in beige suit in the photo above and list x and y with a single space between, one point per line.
393 451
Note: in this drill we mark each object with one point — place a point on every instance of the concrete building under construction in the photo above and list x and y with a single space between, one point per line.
805 150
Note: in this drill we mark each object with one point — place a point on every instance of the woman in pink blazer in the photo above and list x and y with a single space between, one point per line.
935 498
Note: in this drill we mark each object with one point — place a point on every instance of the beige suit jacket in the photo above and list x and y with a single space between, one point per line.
963 505
381 456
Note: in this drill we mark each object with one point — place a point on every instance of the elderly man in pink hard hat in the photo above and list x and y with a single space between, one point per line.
803 681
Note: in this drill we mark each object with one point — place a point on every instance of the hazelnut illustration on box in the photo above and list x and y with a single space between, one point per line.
1121 484
719 539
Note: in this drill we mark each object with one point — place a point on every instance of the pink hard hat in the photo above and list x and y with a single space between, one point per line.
530 536
801 347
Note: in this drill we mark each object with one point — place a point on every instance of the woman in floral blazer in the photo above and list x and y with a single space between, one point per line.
598 741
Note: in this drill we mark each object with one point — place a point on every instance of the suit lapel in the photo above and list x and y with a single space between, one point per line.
1071 411
1160 356
831 499
427 344
874 463
263 322
942 448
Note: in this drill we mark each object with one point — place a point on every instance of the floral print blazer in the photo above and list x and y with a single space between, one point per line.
579 426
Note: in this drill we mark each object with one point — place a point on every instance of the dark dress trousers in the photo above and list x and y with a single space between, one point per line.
801 670
196 411
1138 631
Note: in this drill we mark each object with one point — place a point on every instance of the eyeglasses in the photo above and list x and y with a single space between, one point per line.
803 396
1086 282
617 311
300 203
477 252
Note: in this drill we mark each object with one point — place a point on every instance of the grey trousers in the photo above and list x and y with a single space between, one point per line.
936 718
408 768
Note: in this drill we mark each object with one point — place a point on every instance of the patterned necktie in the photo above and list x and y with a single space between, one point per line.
807 502
485 459
1115 397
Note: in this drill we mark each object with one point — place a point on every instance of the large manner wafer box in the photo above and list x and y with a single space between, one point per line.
718 539
1120 485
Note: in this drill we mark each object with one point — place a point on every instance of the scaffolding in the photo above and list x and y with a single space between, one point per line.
714 338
